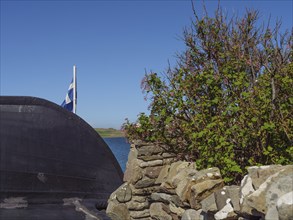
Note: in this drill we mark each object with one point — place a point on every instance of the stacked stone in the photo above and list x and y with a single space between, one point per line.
157 187
132 199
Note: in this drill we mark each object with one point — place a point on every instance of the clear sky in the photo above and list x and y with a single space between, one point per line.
111 42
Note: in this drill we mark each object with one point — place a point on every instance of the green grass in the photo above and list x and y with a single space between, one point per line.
109 132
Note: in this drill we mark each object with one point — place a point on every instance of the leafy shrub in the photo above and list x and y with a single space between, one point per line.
229 102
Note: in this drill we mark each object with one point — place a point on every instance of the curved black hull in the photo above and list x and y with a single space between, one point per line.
48 154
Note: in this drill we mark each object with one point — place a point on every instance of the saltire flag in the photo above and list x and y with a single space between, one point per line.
69 102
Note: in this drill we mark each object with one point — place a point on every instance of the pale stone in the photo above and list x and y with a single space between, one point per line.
246 187
225 213
285 206
152 163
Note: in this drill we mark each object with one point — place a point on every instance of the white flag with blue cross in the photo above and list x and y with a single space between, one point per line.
69 102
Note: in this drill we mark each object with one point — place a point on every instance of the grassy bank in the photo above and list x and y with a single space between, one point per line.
109 132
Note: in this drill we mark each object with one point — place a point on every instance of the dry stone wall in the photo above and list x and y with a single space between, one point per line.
159 187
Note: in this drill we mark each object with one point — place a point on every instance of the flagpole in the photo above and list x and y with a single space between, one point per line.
74 89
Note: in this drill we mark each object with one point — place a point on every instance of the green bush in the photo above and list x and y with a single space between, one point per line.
229 102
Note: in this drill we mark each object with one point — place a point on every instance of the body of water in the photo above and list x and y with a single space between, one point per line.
120 148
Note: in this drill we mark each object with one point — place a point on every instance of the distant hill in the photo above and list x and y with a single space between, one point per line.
109 132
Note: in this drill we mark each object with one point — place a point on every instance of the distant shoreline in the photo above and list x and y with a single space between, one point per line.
109 132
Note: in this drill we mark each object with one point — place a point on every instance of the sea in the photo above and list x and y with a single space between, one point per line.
120 148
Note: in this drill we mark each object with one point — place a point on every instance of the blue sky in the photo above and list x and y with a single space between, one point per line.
111 42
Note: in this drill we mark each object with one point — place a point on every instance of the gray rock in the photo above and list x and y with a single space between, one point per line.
144 191
176 210
153 172
123 193
166 198
209 204
264 199
226 212
191 214
202 190
163 174
133 172
161 197
221 197
134 205
160 211
285 206
259 174
175 168
234 194
139 214
152 163
144 182
117 211
149 150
